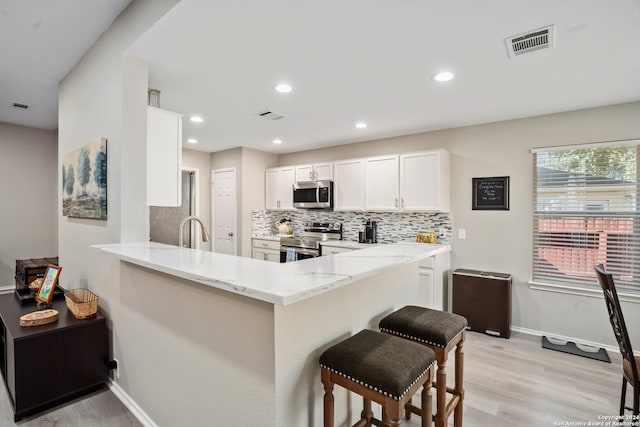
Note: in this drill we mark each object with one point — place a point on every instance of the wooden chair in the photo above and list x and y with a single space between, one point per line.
630 363
381 368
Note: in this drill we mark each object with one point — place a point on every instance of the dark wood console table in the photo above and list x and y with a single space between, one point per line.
43 366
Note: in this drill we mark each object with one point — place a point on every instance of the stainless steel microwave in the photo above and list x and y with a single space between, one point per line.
313 195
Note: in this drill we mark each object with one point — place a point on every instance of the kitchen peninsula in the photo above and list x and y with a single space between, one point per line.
235 341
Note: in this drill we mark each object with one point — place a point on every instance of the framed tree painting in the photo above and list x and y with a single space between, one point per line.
84 181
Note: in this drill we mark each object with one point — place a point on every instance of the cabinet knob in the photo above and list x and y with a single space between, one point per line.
396 202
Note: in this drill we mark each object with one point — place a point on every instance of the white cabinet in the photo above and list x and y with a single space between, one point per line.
164 157
434 281
279 188
266 250
319 172
406 182
348 185
425 278
424 181
381 183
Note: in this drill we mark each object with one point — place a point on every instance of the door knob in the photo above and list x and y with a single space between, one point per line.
230 234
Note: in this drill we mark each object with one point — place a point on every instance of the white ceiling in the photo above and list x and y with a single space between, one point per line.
347 60
40 42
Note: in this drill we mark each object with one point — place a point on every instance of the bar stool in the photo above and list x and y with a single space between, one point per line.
381 368
441 332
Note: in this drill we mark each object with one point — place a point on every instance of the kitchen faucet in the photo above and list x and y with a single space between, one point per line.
205 233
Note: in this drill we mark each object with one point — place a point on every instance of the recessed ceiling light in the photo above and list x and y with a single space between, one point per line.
277 141
196 119
192 141
361 125
444 76
283 88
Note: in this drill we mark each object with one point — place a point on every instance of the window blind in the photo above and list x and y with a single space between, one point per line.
585 213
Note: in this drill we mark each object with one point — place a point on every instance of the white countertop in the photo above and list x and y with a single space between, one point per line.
348 244
271 282
269 237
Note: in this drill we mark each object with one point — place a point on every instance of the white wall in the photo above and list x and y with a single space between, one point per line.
91 103
254 163
201 161
28 176
501 241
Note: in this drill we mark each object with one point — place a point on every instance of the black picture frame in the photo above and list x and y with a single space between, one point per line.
491 193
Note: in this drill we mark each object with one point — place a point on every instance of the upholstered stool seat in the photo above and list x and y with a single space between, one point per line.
381 368
440 331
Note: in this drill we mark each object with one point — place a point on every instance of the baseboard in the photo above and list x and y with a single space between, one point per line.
566 338
131 405
7 289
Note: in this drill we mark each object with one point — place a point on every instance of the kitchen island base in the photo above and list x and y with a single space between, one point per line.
219 350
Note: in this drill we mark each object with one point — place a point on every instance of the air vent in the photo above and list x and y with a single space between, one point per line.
21 106
531 41
268 114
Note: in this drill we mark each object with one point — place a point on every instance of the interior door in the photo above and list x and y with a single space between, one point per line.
223 199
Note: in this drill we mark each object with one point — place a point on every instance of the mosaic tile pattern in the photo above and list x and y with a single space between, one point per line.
392 226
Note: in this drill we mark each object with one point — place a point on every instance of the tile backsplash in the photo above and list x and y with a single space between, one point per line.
392 226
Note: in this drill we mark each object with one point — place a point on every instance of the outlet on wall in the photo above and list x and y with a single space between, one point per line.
116 368
462 233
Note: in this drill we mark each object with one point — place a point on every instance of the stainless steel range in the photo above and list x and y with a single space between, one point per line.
308 244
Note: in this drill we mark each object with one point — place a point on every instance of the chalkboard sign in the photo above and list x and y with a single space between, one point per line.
491 193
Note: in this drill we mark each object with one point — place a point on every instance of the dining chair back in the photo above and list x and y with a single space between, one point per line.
630 363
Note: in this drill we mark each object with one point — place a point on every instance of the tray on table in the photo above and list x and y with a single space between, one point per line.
28 296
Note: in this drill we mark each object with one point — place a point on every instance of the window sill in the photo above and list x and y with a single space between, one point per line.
581 291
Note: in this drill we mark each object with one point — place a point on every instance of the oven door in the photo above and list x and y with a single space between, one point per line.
290 254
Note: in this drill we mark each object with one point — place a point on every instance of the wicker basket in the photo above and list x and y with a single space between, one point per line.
82 302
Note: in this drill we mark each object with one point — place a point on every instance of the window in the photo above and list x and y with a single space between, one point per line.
585 214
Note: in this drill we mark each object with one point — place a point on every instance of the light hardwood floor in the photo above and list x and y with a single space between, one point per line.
512 382
99 409
516 382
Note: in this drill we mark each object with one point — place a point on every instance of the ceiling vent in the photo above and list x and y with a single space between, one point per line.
268 114
528 42
21 106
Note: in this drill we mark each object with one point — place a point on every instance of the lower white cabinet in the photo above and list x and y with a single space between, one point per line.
434 280
265 249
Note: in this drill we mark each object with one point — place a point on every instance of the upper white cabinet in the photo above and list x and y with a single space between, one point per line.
424 181
319 172
400 182
348 185
381 183
164 157
279 188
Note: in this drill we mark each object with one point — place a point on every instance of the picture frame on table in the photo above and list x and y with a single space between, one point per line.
49 282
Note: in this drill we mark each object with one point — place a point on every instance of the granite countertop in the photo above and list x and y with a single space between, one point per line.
271 282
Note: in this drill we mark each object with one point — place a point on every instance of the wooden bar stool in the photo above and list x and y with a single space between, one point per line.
381 368
441 332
